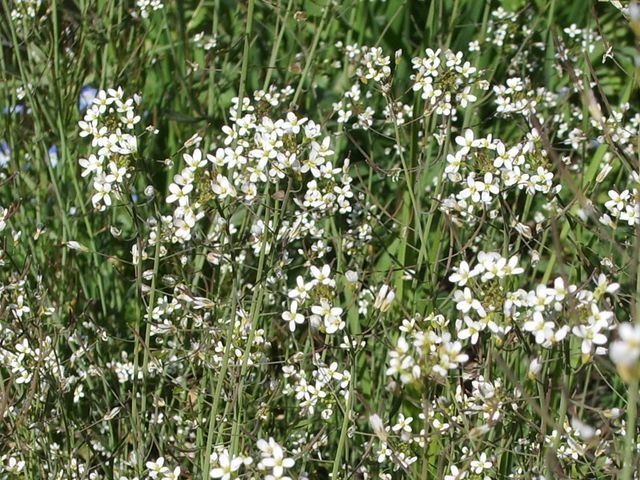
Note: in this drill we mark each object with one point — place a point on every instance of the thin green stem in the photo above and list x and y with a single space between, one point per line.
312 52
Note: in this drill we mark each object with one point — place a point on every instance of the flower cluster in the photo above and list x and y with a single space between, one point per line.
424 348
147 7
369 63
324 316
24 10
625 205
319 391
496 308
445 81
486 170
483 298
515 96
257 153
110 122
372 68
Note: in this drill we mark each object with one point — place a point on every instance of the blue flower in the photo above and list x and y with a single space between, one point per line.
5 154
17 108
53 155
87 94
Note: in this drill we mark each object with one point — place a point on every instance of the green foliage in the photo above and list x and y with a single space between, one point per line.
141 344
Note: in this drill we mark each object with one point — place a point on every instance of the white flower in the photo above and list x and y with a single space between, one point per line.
384 298
227 466
534 368
179 194
481 464
20 308
542 330
455 474
403 424
331 316
586 432
103 191
91 164
222 187
590 335
73 245
157 468
604 286
512 268
351 276
465 302
377 425
472 331
322 276
625 352
194 161
462 274
273 458
467 142
292 316
301 291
